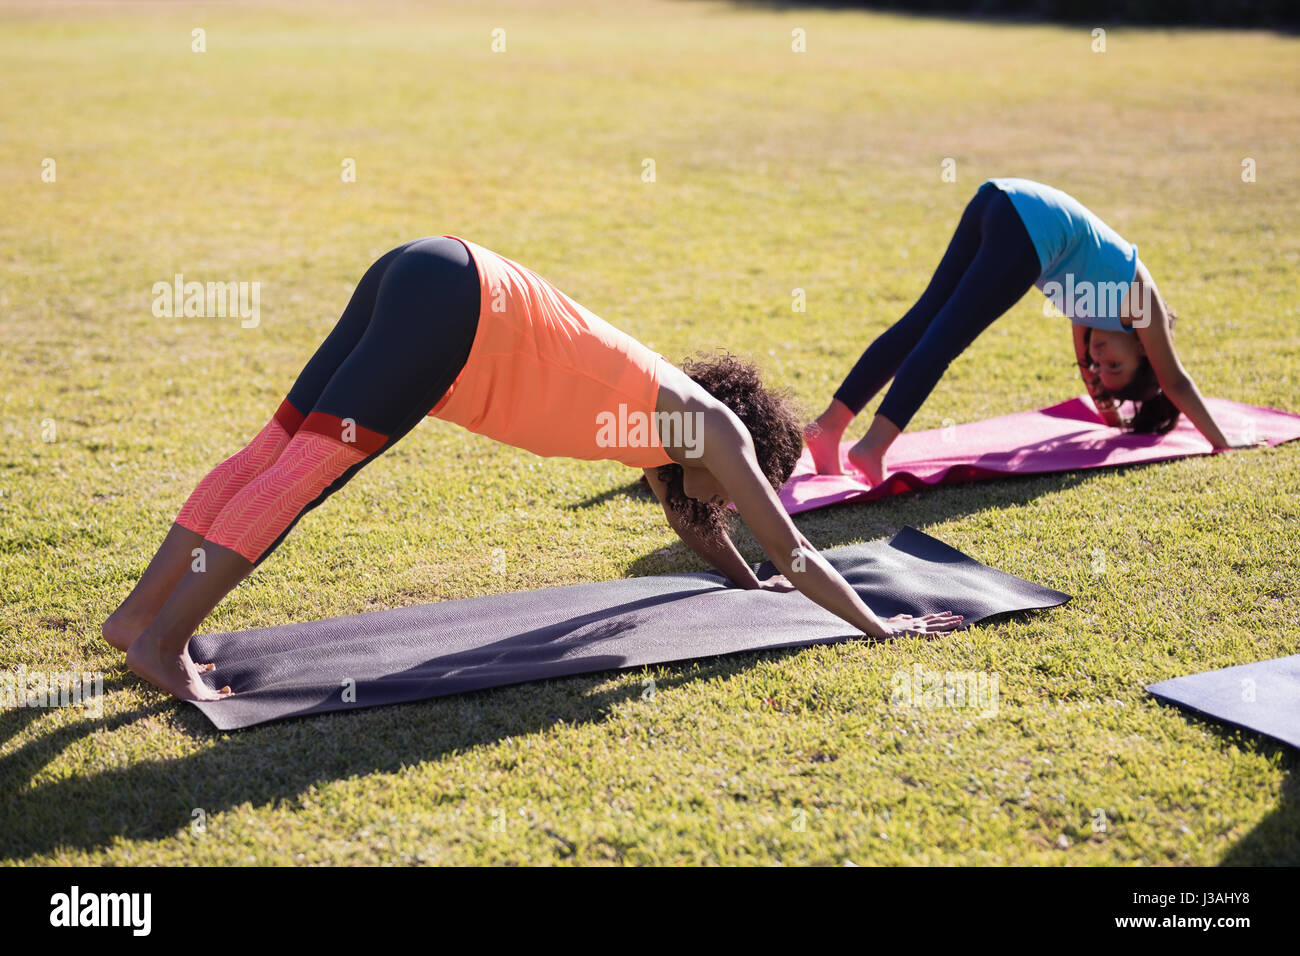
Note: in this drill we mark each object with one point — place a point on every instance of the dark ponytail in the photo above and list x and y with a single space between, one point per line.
1155 416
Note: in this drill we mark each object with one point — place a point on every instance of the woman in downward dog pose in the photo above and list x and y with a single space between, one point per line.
443 327
1014 234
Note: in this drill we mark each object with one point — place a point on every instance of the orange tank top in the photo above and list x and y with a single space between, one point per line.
547 375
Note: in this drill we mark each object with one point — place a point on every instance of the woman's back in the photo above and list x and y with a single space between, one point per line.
1087 266
544 373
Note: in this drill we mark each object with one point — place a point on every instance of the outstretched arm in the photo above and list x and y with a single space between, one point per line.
729 456
1173 378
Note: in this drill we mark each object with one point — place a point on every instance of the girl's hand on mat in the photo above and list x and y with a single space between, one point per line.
777 582
930 624
1240 443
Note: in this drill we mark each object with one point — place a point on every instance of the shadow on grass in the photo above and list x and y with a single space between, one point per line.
882 518
635 489
155 799
14 721
1275 840
277 763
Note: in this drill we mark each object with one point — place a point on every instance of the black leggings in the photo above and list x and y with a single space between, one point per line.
989 265
401 342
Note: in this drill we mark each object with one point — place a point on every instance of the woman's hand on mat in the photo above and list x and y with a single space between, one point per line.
777 582
929 624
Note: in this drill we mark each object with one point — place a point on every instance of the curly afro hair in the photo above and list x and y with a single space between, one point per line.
771 419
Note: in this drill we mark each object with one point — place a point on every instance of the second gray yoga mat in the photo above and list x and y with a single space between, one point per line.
415 653
1263 696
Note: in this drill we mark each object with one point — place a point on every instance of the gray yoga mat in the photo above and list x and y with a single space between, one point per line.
415 653
1263 696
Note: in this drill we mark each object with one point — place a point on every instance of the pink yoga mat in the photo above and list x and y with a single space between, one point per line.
1066 437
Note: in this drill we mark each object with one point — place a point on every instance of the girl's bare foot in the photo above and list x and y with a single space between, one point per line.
823 437
176 674
868 455
869 459
825 448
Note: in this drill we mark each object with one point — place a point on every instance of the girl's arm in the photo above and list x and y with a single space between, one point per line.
1174 381
722 555
1106 404
729 456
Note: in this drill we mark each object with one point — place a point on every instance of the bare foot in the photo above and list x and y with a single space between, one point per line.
869 459
175 673
824 443
122 636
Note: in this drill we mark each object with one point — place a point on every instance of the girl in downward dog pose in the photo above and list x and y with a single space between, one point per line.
443 327
1015 234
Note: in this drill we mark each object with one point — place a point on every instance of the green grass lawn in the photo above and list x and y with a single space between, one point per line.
774 171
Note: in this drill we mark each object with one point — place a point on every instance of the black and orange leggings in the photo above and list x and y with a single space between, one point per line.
402 340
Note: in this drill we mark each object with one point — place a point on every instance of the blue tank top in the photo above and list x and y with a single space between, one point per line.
1087 267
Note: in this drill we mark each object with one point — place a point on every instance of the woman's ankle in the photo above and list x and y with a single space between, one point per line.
122 628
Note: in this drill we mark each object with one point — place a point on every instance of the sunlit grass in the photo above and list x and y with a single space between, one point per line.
774 171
